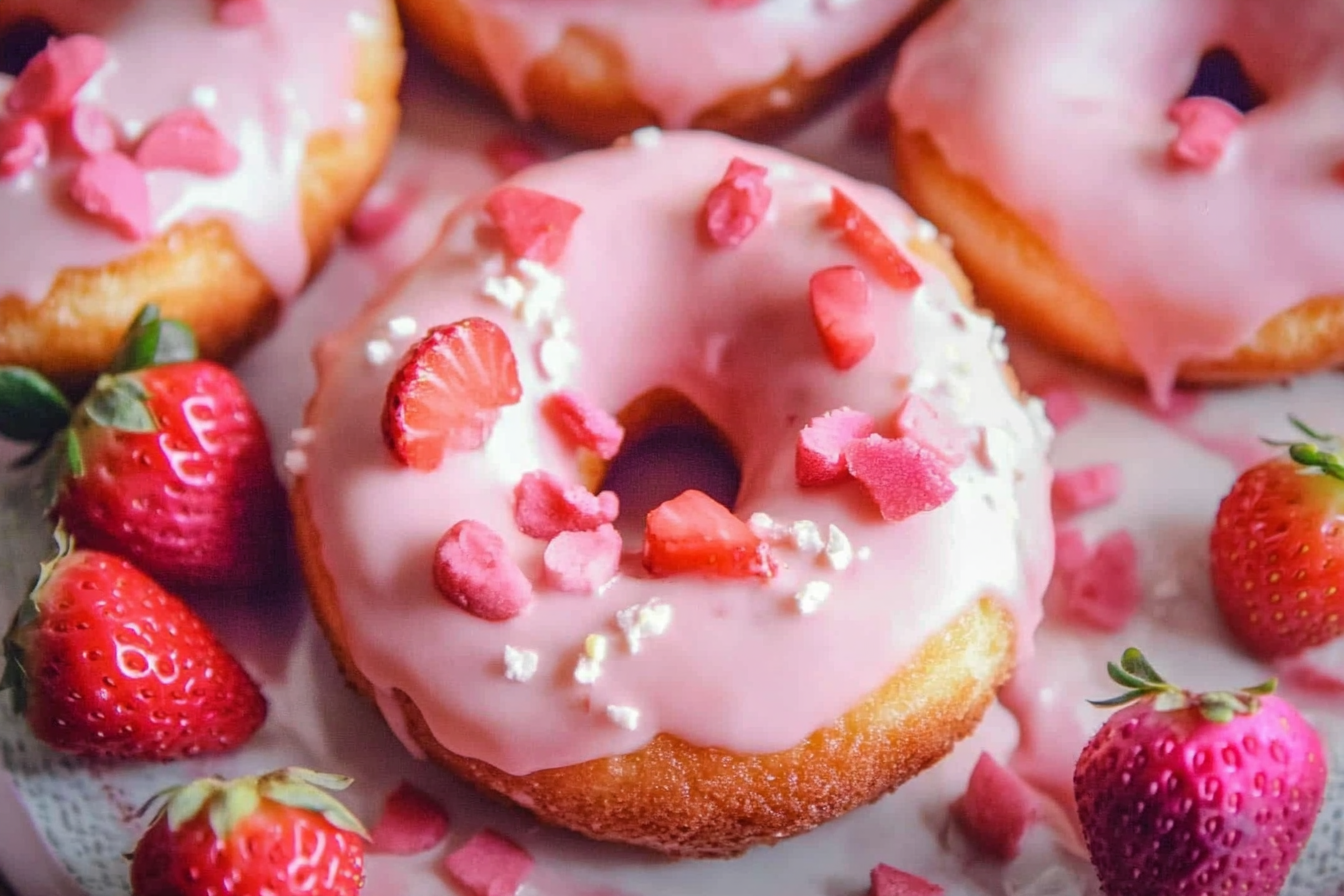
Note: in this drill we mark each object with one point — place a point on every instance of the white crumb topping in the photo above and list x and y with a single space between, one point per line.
203 96
296 461
402 327
922 380
764 526
626 717
839 552
545 289
647 620
589 667
507 290
806 536
998 348
811 596
863 554
519 664
303 436
378 352
999 452
646 138
1040 421
558 358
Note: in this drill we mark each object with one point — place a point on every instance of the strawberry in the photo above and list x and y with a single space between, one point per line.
104 663
862 234
165 462
280 833
448 391
1277 550
1184 793
843 313
694 533
532 224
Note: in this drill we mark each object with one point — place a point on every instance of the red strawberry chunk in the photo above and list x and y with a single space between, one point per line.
473 569
584 423
489 864
448 391
186 140
113 188
862 235
1088 488
532 224
510 153
88 131
48 84
240 13
411 823
693 533
819 458
996 809
1097 588
842 310
1063 404
23 145
1205 126
544 506
903 477
582 562
737 204
889 881
921 422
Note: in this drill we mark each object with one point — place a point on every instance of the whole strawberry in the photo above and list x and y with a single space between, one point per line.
164 462
1183 793
106 664
1277 550
280 834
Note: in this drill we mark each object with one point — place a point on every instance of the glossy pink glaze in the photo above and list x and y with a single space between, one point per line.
683 56
267 88
647 302
1060 108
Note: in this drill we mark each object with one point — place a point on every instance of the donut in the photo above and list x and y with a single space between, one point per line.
200 155
599 70
1106 201
831 630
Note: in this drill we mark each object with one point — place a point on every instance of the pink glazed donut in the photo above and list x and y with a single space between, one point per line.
201 155
1104 211
773 665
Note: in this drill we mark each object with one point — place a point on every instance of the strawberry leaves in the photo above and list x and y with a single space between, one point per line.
31 408
1320 451
1135 673
152 341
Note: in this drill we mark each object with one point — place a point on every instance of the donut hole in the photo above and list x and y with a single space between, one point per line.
20 42
1221 74
670 446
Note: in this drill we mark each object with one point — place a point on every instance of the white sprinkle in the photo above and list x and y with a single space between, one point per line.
519 665
923 380
647 620
626 717
507 291
557 357
839 552
203 96
779 98
587 670
296 461
863 553
806 537
646 138
378 351
402 327
303 436
811 596
541 300
998 349
764 525
596 647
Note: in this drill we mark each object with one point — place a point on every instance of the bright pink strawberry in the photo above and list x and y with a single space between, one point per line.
693 533
842 310
1182 793
448 391
532 224
868 241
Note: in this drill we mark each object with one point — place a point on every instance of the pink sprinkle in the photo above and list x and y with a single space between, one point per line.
1063 404
47 86
112 187
186 140
582 562
489 864
903 477
473 569
842 311
23 145
1088 488
509 153
819 458
88 131
1100 588
544 506
736 205
378 218
240 13
411 823
889 881
584 423
918 420
1205 126
996 809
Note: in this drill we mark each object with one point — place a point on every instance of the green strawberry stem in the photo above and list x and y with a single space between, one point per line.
1135 673
1318 452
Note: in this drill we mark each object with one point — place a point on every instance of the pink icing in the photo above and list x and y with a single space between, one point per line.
731 48
643 302
265 87
1060 108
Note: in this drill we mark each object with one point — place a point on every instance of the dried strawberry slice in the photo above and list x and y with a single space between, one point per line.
694 533
532 224
862 234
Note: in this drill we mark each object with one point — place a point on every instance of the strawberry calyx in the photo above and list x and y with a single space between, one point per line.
1319 451
15 675
230 802
1138 675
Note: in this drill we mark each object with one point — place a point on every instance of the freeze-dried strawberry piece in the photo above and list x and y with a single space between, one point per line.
23 145
819 458
113 188
842 310
888 881
582 562
544 506
996 809
904 477
88 131
862 234
48 84
737 204
1098 587
1205 125
473 569
489 864
584 423
411 823
186 140
532 224
1076 491
693 533
1063 404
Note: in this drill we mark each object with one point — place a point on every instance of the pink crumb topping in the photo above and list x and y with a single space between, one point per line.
1063 404
1205 125
1097 588
412 822
186 140
920 421
489 864
582 562
583 423
509 153
473 569
1084 489
544 506
532 224
888 881
88 131
842 311
240 13
737 204
48 84
903 477
819 458
996 809
23 145
113 188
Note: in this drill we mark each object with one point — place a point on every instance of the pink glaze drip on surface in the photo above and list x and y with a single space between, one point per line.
683 56
1060 108
650 305
267 88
